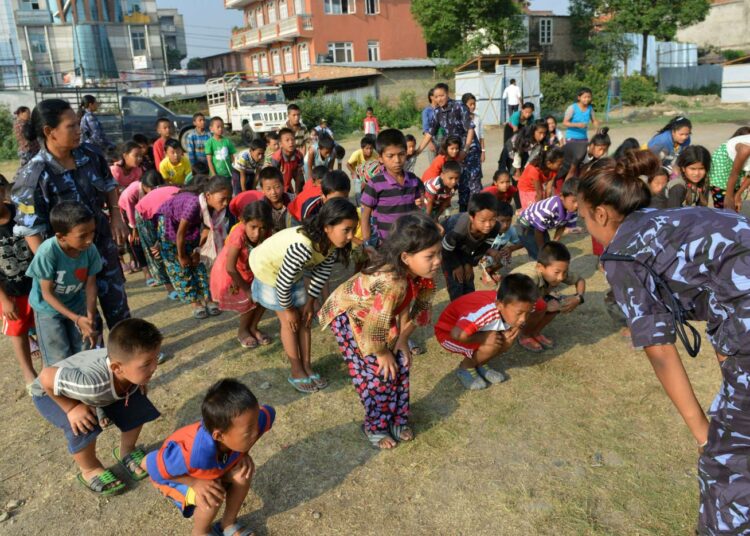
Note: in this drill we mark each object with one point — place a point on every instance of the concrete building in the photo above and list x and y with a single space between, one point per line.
726 27
172 27
220 64
285 39
64 42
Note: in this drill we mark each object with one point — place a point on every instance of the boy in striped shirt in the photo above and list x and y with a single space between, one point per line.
482 325
439 191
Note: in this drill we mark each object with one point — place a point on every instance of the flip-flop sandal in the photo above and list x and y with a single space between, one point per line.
161 358
200 313
415 349
131 462
213 309
264 340
105 484
299 383
546 342
249 342
376 437
320 383
174 295
398 429
531 344
232 530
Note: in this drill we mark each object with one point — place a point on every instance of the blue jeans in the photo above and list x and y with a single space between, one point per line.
58 337
456 289
528 239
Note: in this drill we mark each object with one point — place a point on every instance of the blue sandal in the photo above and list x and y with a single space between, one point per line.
298 384
231 530
317 381
174 295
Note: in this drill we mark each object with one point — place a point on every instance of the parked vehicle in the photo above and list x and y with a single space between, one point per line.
245 105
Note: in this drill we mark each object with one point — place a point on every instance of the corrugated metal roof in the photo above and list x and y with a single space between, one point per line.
412 63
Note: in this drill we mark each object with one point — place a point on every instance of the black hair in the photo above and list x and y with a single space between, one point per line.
196 115
547 155
412 233
369 109
742 131
86 101
498 173
258 210
676 124
339 151
48 113
570 187
270 172
214 119
390 137
367 139
630 144
524 140
224 401
443 86
140 139
517 288
3 181
612 183
695 154
162 120
200 168
202 184
482 201
331 213
582 91
466 97
284 131
448 141
452 166
131 336
126 148
553 252
430 93
601 138
271 135
293 107
335 181
172 143
504 210
326 142
152 179
527 105
21 109
410 138
67 214
550 117
318 172
512 80
257 143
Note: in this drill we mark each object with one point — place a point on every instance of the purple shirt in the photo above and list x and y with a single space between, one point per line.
182 206
390 200
548 214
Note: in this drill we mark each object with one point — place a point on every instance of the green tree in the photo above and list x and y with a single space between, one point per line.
174 58
660 18
195 63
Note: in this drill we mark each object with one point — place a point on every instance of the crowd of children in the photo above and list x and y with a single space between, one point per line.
264 229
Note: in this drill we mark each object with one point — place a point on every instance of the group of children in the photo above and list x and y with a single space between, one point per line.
264 229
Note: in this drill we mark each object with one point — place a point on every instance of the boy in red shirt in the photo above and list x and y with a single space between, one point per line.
502 187
289 161
207 463
164 130
482 325
311 190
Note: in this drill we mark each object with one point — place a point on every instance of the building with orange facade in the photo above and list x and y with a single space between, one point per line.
285 39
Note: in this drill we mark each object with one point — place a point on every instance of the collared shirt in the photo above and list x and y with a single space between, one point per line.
44 182
196 146
390 200
301 135
548 214
454 118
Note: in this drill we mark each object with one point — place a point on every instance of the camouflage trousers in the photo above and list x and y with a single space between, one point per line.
110 282
723 470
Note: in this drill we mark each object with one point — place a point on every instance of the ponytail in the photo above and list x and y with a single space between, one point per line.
86 101
48 113
547 155
601 138
614 184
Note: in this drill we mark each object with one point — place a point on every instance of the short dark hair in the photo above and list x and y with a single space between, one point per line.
517 288
326 142
498 173
285 131
452 166
270 173
553 252
131 336
504 210
339 151
225 400
410 138
200 168
67 214
215 119
271 135
512 80
369 109
367 139
162 120
443 86
152 179
292 107
482 201
570 187
172 144
140 139
258 210
196 115
257 143
390 137
318 172
528 105
335 181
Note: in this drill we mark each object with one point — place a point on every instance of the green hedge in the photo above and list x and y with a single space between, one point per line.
560 91
8 146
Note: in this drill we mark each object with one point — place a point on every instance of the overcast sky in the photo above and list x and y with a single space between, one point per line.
208 25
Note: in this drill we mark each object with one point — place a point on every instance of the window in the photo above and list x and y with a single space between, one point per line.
256 65
276 62
372 7
339 7
29 5
283 10
288 60
299 7
264 64
37 41
545 31
143 107
139 41
271 6
373 51
259 17
341 52
304 57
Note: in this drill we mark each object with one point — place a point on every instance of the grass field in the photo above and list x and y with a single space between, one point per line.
580 440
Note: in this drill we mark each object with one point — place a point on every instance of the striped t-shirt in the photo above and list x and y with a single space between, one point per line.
390 200
548 214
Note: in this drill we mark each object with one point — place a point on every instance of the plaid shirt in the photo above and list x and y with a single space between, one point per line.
196 143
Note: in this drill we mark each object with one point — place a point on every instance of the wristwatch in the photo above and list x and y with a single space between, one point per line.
580 297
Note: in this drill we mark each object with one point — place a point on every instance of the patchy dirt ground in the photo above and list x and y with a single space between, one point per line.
581 440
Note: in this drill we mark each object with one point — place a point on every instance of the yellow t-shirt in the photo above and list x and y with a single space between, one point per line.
175 174
358 158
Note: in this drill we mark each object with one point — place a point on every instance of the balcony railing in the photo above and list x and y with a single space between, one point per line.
286 28
32 17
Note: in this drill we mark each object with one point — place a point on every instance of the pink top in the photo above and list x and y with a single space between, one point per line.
128 199
150 203
123 178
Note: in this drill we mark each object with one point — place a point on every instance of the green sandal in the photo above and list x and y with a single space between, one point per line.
132 462
105 484
303 385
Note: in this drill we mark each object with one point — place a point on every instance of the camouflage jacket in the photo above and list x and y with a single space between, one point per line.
44 182
704 256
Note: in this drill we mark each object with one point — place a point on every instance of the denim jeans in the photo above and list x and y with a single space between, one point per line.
58 337
456 289
528 239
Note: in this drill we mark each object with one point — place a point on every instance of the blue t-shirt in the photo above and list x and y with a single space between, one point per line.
579 116
69 274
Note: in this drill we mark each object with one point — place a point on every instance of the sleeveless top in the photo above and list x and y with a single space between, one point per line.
579 116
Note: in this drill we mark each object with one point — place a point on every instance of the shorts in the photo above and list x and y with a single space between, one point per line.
464 349
266 295
138 411
25 321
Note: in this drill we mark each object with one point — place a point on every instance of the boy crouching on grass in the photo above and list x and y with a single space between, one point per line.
207 463
482 325
113 379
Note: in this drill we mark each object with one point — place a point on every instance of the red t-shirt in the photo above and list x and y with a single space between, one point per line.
435 168
531 175
160 152
309 191
238 204
289 167
506 196
471 313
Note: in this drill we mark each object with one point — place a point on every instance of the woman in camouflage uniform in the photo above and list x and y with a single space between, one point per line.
666 266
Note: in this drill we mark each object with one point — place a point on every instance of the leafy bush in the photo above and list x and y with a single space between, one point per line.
639 91
730 55
560 91
713 88
8 147
187 107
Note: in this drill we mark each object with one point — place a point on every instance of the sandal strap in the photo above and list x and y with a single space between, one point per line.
133 460
232 529
103 481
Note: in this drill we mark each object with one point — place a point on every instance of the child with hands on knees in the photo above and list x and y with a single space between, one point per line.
372 316
501 187
280 263
438 192
206 464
